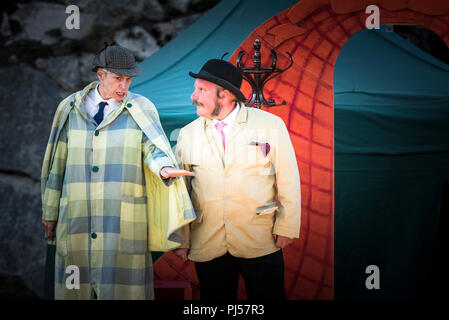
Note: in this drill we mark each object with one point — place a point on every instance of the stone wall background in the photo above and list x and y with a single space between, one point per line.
41 62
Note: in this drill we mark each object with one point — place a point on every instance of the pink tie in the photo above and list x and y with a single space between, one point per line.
220 125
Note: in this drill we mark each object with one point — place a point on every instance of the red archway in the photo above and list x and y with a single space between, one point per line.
314 32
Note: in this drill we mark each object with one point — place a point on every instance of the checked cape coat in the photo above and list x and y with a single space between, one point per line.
102 184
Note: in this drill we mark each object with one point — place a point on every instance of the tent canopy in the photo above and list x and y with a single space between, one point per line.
390 97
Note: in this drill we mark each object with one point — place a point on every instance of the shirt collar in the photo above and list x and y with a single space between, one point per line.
230 118
97 98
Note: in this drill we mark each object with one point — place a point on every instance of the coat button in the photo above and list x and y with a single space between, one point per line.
97 132
129 105
93 235
71 103
95 169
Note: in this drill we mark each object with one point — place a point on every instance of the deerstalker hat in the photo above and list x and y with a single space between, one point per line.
116 59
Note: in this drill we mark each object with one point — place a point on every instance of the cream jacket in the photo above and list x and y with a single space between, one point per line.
234 192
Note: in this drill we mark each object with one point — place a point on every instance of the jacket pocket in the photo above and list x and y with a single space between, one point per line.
61 229
269 209
257 162
61 247
133 225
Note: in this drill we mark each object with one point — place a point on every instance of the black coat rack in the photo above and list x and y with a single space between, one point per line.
258 76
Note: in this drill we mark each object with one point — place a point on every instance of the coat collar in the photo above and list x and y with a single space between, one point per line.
242 117
80 98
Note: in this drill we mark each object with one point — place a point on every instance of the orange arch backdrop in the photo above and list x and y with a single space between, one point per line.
314 32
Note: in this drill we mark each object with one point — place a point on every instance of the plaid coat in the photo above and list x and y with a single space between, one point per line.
102 184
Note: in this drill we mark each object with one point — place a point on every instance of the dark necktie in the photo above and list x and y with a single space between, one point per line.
99 116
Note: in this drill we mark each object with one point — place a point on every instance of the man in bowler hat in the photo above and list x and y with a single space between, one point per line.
245 191
106 163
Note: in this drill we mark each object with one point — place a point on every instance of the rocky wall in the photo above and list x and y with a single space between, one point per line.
41 62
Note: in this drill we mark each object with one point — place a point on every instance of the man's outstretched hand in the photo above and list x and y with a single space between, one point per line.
170 172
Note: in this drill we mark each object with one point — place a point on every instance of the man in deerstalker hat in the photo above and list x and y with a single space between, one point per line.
108 174
243 161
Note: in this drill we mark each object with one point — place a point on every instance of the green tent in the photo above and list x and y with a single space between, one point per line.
391 167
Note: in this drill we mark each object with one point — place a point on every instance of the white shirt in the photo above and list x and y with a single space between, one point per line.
93 98
229 120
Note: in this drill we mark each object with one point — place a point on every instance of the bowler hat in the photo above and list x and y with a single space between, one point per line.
224 74
116 59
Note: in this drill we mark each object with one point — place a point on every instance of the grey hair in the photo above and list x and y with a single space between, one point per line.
104 71
220 89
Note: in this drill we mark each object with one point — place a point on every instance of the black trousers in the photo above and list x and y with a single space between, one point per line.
263 277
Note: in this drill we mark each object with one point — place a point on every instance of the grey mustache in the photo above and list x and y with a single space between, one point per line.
196 102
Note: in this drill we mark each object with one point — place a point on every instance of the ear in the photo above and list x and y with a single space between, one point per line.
224 94
229 96
100 74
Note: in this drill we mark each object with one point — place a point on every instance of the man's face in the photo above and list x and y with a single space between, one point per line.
113 85
205 97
